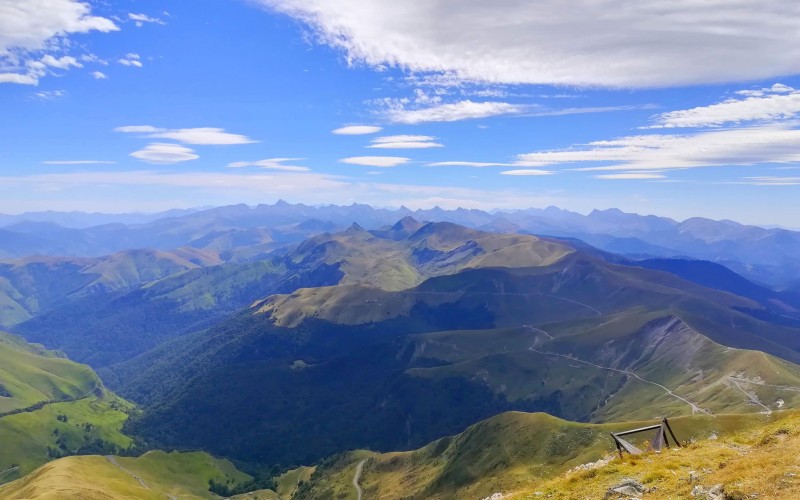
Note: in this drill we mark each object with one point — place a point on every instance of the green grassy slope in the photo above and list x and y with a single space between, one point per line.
759 460
30 374
607 368
91 425
506 453
50 406
115 323
33 285
348 361
154 475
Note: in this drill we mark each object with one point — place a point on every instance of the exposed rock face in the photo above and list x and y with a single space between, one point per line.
627 489
713 493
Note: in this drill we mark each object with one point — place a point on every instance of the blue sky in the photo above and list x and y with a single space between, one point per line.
684 110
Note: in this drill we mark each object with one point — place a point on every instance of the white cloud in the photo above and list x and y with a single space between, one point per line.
77 162
527 171
195 136
405 142
271 164
49 95
398 111
630 176
468 164
131 59
203 135
737 146
141 19
92 58
376 161
139 129
612 43
33 30
99 75
772 181
163 153
357 130
29 25
21 79
778 102
64 62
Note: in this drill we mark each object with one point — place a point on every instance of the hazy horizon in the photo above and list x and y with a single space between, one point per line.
152 106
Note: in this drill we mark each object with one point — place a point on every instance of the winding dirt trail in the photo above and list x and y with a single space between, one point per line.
750 396
695 408
357 478
113 461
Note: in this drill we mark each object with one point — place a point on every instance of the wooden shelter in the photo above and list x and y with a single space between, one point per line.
657 443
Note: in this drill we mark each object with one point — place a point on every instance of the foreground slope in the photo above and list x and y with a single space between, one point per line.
758 461
525 453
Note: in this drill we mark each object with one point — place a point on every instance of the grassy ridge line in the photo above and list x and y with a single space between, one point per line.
154 475
757 461
30 374
506 453
92 425
51 407
40 405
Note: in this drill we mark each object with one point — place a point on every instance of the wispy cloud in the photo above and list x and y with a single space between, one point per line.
131 59
49 95
376 161
514 42
357 130
736 146
99 75
478 164
527 172
141 19
77 162
631 176
778 102
194 136
272 164
772 181
165 154
405 142
399 111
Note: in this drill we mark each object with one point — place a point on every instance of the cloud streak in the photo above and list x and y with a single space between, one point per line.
271 164
398 111
165 154
195 136
405 142
726 147
775 103
376 161
610 43
357 130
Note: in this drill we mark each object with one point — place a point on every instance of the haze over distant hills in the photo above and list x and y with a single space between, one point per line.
240 232
277 339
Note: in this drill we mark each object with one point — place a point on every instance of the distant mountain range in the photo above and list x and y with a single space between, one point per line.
280 342
769 256
429 328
